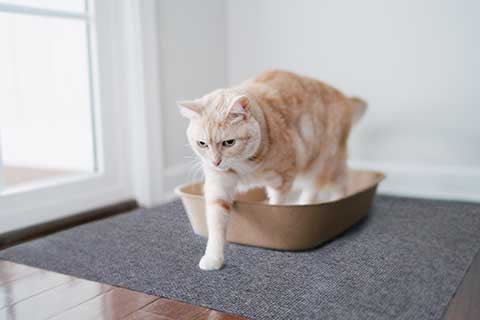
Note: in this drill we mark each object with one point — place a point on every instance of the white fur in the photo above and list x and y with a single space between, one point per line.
302 138
216 187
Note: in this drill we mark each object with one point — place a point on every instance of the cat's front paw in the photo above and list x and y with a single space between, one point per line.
211 263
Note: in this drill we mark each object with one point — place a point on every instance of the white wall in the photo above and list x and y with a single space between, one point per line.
416 62
174 50
192 61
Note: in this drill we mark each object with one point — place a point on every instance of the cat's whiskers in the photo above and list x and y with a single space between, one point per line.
195 171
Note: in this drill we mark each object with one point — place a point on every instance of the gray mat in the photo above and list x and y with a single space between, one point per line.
403 262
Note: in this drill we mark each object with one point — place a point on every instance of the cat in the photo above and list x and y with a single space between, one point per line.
269 131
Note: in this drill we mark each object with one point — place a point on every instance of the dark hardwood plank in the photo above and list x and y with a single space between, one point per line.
114 304
32 284
143 315
10 271
52 302
465 304
174 310
217 315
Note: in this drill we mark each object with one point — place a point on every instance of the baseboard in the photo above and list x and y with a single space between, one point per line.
14 237
177 175
432 181
420 181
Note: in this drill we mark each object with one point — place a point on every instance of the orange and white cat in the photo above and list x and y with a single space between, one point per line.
269 131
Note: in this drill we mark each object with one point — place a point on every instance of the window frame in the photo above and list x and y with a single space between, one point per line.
56 198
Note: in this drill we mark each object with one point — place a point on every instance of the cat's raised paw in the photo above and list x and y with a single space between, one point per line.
208 263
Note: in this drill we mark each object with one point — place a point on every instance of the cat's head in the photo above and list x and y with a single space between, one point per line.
222 130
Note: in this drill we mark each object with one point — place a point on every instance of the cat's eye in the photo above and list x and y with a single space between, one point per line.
228 143
202 144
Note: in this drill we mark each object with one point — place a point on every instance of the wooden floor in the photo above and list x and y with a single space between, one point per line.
15 175
35 294
465 305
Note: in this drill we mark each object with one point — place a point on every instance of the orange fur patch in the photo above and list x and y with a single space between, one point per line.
222 203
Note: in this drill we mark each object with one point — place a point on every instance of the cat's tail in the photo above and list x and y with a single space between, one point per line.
359 107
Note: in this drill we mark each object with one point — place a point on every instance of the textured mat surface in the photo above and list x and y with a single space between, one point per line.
403 262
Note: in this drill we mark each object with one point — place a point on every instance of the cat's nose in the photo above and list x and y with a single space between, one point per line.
217 162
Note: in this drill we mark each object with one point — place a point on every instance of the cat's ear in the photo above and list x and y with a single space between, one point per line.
239 108
190 109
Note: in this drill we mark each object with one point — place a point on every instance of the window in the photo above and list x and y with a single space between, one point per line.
45 91
62 147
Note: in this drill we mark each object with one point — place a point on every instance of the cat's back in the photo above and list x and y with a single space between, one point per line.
280 79
278 87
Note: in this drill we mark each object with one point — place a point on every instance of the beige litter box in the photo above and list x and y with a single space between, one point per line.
286 227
